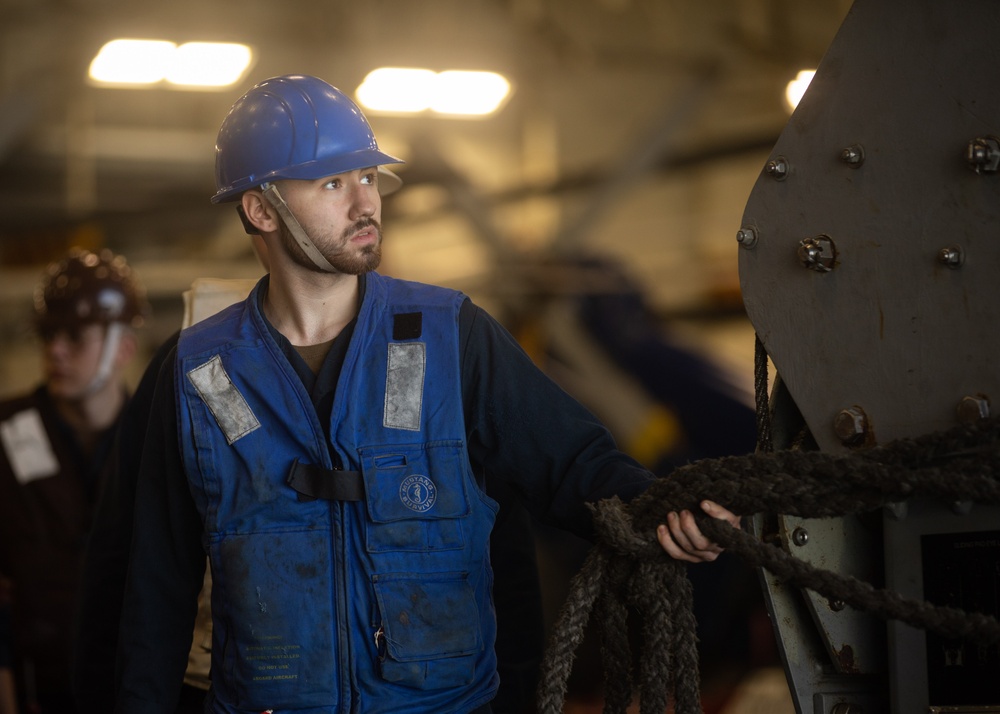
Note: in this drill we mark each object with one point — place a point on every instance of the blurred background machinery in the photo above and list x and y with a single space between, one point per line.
634 129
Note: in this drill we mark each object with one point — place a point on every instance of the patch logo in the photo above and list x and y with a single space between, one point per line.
418 493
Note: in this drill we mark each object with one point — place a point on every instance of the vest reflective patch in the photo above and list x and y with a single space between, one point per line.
227 405
404 385
27 445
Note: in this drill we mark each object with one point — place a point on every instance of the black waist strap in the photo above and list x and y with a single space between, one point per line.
330 484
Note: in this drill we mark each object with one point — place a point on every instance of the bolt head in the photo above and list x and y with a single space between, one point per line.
817 253
853 156
983 154
746 237
978 153
851 425
951 256
777 168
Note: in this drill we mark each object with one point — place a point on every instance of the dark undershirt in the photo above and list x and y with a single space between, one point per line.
314 355
319 376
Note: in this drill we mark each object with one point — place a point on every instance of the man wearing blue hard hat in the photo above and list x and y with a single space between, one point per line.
326 442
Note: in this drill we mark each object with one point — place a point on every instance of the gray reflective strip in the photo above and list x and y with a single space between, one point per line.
404 385
228 406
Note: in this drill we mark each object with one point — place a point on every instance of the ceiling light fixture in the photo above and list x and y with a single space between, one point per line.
797 87
143 63
457 93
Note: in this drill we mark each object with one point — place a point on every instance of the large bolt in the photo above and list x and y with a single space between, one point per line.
973 408
983 154
777 168
853 155
851 425
819 253
951 256
747 237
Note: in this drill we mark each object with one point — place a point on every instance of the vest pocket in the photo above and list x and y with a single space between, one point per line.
271 600
430 629
416 496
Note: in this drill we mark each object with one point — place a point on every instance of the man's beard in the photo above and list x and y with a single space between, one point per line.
348 263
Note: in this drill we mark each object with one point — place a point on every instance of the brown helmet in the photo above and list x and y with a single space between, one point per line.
88 287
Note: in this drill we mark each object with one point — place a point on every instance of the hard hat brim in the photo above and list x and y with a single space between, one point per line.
388 182
309 171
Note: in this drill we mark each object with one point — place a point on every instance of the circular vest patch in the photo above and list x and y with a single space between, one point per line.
418 493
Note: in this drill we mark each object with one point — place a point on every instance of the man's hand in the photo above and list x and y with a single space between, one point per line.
683 540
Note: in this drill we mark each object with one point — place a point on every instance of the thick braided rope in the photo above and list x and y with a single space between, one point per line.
960 464
585 588
764 442
615 651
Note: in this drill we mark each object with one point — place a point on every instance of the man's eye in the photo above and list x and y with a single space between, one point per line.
332 183
371 178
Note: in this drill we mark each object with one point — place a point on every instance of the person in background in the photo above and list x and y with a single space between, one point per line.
54 445
326 442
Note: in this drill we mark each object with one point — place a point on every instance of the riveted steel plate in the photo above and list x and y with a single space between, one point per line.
891 328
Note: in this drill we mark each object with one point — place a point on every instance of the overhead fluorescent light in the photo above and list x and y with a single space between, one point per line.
410 90
797 87
209 64
136 62
132 61
475 93
397 89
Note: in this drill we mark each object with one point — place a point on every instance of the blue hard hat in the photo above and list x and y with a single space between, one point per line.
292 127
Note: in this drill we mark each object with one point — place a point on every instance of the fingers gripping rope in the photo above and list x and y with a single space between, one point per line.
627 567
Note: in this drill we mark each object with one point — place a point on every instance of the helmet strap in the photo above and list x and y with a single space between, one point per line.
112 338
273 197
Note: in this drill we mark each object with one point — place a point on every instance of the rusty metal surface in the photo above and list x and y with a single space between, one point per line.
898 326
868 254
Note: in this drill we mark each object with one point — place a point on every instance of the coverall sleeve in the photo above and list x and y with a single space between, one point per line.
106 563
525 429
166 568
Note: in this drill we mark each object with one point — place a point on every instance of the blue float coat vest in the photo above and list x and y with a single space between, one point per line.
381 604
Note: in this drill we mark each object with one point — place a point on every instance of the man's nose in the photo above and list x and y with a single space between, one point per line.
364 201
58 344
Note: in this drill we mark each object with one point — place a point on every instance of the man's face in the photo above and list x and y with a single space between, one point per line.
70 358
342 215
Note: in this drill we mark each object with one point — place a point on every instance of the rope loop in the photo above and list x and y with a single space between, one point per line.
627 562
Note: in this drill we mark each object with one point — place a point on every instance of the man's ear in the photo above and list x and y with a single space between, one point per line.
256 212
